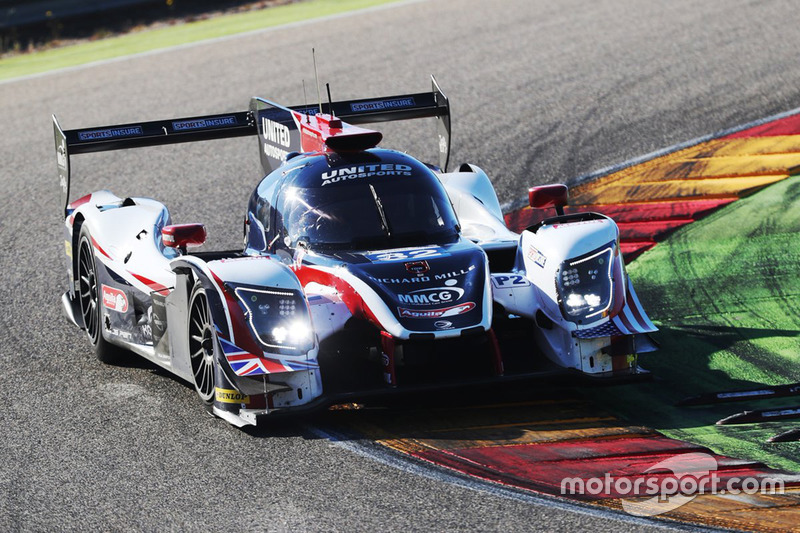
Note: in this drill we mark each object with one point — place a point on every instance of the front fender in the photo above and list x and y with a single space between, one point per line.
283 380
250 270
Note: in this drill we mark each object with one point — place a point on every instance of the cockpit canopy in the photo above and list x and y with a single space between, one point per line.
378 199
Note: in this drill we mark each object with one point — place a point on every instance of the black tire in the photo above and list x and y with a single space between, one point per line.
88 294
202 344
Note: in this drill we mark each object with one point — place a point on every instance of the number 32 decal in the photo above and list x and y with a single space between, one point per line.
406 254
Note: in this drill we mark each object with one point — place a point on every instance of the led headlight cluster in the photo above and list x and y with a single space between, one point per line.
278 318
584 285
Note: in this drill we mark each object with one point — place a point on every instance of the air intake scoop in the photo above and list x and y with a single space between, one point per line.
326 133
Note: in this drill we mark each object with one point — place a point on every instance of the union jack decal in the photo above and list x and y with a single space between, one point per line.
632 319
245 363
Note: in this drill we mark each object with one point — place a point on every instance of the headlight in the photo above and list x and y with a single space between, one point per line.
278 318
585 286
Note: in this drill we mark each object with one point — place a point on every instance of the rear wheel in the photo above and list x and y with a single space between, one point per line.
202 344
88 293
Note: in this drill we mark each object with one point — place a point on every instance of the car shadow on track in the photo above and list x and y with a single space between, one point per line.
697 358
523 411
701 358
502 414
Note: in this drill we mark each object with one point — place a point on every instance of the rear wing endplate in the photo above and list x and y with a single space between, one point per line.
245 123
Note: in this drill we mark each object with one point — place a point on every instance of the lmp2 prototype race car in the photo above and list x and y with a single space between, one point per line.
363 270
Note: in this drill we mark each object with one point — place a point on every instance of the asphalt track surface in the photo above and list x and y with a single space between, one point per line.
542 91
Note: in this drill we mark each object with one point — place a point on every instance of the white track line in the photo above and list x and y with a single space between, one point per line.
290 25
381 454
519 203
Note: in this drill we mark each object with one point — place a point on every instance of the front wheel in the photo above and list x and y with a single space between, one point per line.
202 344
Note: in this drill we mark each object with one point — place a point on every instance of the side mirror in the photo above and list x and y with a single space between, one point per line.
182 235
544 196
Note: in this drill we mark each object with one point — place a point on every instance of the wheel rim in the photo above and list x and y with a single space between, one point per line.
201 347
87 288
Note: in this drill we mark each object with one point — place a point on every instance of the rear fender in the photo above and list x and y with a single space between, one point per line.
77 213
116 225
474 181
126 238
475 202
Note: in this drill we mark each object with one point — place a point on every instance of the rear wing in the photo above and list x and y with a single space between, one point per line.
275 125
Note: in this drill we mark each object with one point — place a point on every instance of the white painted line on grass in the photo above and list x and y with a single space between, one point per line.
289 25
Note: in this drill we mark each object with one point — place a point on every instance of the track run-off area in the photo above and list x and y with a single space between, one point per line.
542 91
536 444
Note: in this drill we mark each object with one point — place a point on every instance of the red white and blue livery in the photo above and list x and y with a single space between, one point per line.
363 271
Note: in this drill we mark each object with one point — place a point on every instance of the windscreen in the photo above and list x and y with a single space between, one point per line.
382 213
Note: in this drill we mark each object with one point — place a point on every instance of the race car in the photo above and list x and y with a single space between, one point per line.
363 270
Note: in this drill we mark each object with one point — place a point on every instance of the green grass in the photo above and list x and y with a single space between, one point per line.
725 293
144 41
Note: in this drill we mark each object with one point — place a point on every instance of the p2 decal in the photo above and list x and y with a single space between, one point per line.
506 281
